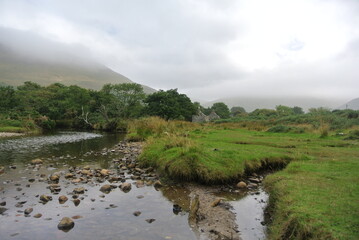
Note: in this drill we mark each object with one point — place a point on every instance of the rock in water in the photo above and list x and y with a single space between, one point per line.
45 198
105 172
79 190
126 187
2 210
28 211
62 199
241 184
106 188
157 184
66 224
38 215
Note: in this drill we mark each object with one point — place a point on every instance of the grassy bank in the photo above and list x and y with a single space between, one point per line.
314 197
317 198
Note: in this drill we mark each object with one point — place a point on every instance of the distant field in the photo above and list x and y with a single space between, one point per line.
314 197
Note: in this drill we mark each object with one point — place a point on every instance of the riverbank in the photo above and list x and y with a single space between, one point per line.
314 197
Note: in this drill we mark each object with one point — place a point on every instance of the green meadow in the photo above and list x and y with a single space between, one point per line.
314 188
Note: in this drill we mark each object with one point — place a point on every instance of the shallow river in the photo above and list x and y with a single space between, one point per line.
98 216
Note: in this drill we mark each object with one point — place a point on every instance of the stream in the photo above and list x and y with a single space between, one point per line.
99 215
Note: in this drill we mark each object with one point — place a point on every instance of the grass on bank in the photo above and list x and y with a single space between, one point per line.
314 197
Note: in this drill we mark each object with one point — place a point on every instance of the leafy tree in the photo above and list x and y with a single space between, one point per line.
237 111
297 110
221 109
128 98
170 105
284 110
7 98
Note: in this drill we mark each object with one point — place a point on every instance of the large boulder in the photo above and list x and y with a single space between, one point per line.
66 224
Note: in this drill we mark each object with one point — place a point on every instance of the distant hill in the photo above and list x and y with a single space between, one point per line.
252 103
54 64
353 104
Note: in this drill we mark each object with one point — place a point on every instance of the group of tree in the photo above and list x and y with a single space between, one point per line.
73 106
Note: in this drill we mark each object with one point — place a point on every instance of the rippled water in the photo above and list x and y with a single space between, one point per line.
102 217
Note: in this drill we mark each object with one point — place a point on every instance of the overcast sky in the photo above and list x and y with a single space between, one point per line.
209 49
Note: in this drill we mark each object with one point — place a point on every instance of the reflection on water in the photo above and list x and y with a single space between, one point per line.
249 211
100 216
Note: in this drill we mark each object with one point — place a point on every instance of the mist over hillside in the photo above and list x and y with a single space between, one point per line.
353 104
28 57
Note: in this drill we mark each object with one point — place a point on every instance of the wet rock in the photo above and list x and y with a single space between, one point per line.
80 190
18 189
2 210
126 187
54 178
12 167
140 196
254 180
38 215
66 224
137 213
44 198
106 188
140 183
241 185
3 203
252 185
76 202
28 211
2 169
150 220
77 217
176 209
62 199
37 161
69 175
77 180
105 172
19 205
157 184
31 180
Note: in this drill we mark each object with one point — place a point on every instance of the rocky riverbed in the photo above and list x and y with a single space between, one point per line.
73 196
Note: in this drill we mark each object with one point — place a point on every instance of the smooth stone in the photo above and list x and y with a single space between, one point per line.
126 187
28 211
2 210
63 199
45 198
77 217
241 184
106 188
38 215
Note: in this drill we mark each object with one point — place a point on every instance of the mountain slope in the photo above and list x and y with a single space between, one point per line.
25 57
353 104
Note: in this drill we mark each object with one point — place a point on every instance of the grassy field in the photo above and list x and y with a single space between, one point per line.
316 196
